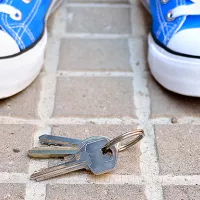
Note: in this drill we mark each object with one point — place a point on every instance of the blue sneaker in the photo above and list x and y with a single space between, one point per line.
174 44
23 39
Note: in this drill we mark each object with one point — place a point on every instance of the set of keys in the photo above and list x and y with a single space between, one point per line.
98 154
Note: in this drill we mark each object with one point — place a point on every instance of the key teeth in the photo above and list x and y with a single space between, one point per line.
32 178
40 175
58 170
35 177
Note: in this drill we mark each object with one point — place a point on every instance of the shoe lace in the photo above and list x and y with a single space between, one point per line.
184 10
14 13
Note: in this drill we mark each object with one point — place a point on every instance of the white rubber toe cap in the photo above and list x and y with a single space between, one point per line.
8 45
186 41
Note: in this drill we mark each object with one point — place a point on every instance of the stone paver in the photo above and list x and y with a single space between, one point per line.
98 20
74 192
182 192
15 142
96 101
142 23
139 54
12 191
24 104
167 104
178 149
94 55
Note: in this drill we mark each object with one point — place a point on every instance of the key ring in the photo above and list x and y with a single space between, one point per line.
139 133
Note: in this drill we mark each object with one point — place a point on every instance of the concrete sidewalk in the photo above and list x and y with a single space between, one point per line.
96 81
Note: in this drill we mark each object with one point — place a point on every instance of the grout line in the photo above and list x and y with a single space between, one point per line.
148 159
70 120
101 120
70 179
93 74
98 5
14 120
115 121
179 180
59 24
160 121
34 190
180 121
164 180
92 35
66 35
189 120
104 179
35 164
9 177
47 97
52 55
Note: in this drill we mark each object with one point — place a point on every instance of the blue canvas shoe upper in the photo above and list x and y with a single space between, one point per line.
23 20
176 25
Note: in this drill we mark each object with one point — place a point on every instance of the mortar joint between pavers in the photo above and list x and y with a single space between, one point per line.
98 5
93 74
63 35
148 160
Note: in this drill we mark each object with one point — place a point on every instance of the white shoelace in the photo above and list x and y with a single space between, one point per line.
13 12
184 10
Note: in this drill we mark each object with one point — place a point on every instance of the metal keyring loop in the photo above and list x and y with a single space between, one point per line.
139 133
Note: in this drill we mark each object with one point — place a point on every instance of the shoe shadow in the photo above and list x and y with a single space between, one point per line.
165 103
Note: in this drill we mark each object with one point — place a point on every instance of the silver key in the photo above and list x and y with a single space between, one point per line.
62 146
70 146
58 141
90 157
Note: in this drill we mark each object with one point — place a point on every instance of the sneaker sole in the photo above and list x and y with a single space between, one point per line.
19 72
176 73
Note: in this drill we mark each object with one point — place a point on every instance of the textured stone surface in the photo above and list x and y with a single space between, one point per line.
85 192
94 55
139 50
167 104
182 192
98 20
15 142
178 149
24 104
141 21
12 191
94 97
